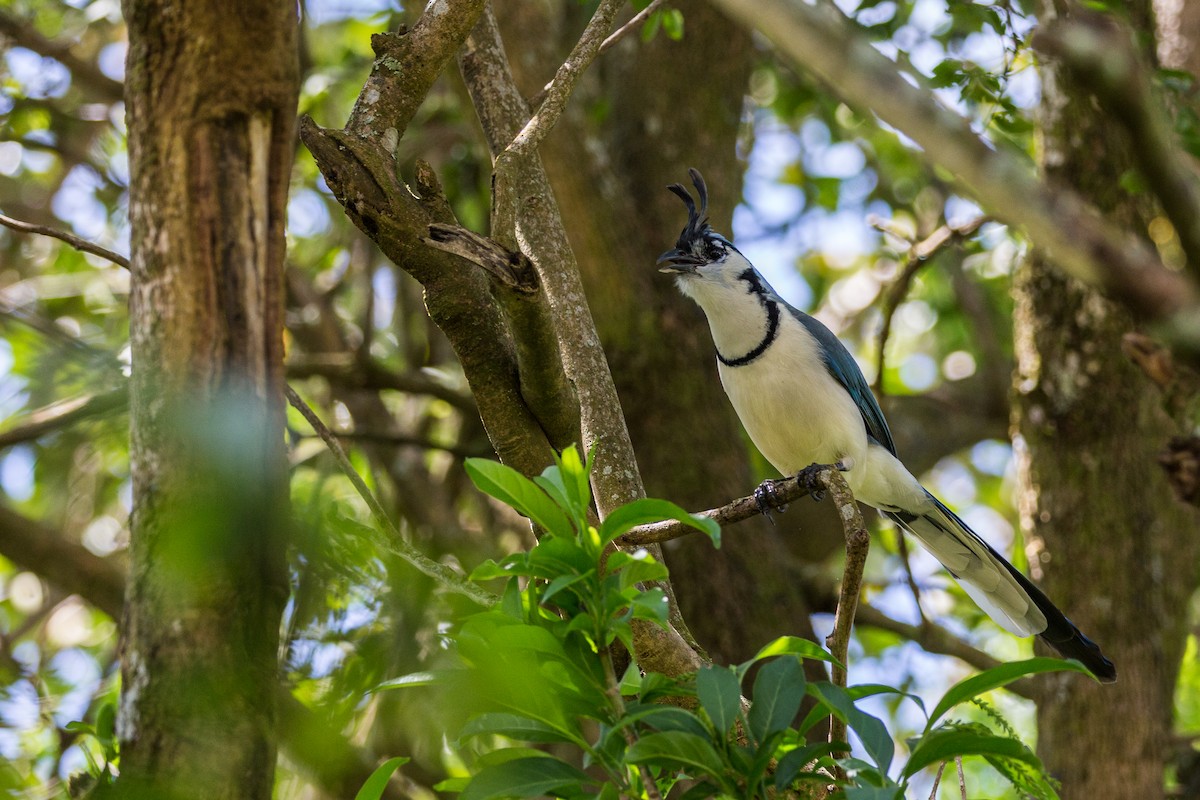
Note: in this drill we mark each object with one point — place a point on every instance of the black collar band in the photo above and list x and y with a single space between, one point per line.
772 309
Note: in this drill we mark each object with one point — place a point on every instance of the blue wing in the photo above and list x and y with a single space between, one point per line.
844 368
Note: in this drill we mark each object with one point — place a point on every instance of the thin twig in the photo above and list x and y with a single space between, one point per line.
858 542
572 69
504 199
394 542
408 440
919 255
82 245
623 31
962 780
937 780
612 41
902 550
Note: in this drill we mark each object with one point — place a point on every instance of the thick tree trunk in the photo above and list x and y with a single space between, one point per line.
211 95
1113 546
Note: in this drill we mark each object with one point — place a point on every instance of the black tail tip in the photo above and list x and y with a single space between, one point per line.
1086 652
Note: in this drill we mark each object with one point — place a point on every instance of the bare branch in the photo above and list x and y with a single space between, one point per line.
68 565
620 33
394 542
539 226
919 254
406 65
83 245
821 40
565 79
513 269
346 369
63 414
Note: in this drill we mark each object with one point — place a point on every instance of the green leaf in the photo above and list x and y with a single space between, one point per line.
666 718
672 23
778 692
514 726
523 777
720 696
946 743
106 722
794 761
574 475
560 583
372 788
873 733
676 750
995 678
648 509
652 605
635 569
511 487
651 26
788 645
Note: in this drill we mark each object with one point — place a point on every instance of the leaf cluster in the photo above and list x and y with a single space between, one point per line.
548 716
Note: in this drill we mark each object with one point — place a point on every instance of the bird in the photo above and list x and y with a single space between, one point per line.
803 401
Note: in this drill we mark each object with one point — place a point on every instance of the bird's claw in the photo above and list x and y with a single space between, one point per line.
767 500
810 478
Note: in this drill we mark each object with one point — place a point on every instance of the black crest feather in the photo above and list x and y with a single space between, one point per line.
697 224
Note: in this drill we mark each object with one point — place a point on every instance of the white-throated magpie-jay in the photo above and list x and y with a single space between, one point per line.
803 400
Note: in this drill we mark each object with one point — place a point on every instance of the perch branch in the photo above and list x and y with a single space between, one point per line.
82 245
858 542
786 491
394 542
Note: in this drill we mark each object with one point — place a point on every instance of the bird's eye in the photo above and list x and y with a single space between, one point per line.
714 251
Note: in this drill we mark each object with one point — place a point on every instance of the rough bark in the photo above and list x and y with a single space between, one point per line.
1103 530
211 98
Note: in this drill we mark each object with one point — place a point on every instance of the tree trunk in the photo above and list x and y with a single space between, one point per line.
211 95
1103 530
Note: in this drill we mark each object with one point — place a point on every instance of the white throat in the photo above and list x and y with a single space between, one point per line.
738 316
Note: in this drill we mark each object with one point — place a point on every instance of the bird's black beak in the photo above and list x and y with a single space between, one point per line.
678 261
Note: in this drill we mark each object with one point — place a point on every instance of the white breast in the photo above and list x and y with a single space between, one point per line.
795 412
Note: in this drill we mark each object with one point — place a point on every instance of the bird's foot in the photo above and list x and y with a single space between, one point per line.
810 478
766 497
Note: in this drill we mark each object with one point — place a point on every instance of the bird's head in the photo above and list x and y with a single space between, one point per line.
700 252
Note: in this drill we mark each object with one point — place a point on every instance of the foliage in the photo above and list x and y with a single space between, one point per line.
362 350
548 715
